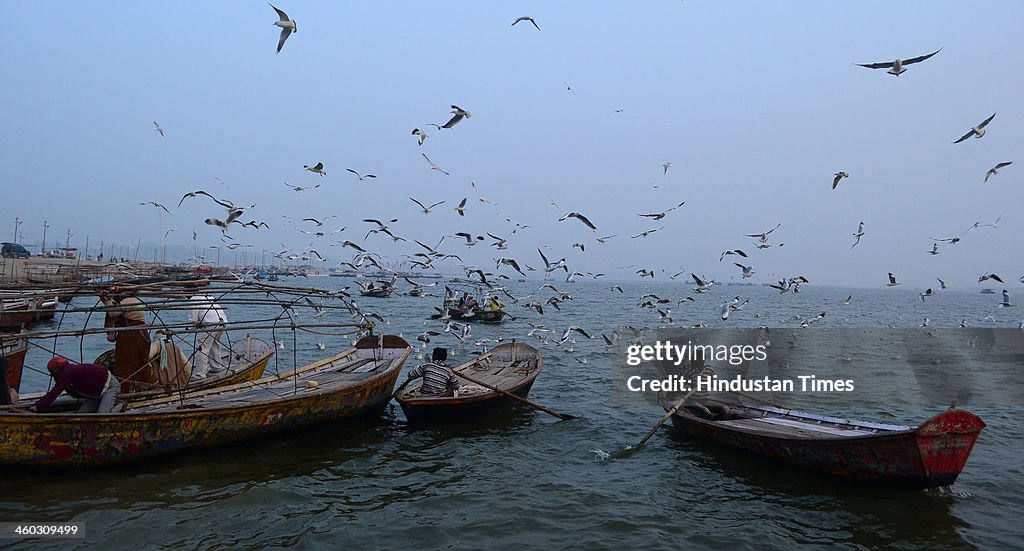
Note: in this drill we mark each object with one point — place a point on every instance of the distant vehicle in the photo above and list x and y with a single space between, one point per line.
60 253
14 250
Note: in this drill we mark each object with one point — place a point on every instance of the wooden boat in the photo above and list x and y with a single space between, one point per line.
354 382
383 289
930 455
17 311
245 362
479 315
511 367
13 349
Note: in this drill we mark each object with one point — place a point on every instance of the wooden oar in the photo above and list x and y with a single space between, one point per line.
661 422
521 399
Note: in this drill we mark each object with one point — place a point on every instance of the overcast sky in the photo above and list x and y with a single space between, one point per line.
755 104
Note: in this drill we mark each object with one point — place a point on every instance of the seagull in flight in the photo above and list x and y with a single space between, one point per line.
155 204
1006 300
461 209
942 284
360 176
287 25
420 135
985 277
935 249
892 281
433 166
763 237
847 301
579 217
734 251
645 233
858 234
458 114
898 66
158 129
748 271
839 176
995 170
317 168
927 293
666 166
525 18
426 210
977 131
301 188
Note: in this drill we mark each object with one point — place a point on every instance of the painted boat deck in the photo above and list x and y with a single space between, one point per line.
792 428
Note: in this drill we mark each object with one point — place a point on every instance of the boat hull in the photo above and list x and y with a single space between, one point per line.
930 455
461 410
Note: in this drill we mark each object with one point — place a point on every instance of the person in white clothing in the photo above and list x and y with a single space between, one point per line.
205 313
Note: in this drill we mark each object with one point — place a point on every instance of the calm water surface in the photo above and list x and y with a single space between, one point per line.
526 479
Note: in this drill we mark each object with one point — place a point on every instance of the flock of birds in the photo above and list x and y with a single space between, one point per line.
431 257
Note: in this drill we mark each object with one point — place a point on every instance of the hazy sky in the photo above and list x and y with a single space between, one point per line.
755 104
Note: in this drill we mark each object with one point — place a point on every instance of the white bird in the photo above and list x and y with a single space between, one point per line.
991 172
579 217
360 176
942 284
461 209
897 66
525 18
927 293
665 168
892 281
161 131
458 114
1006 300
421 135
426 209
433 166
858 234
288 26
935 249
925 324
748 271
317 168
847 301
977 131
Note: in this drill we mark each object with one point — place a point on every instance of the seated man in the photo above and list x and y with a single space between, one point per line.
438 379
95 383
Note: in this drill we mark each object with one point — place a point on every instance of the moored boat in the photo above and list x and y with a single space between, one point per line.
13 350
356 381
245 361
929 455
510 367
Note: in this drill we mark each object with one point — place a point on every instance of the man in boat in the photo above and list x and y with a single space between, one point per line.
205 313
438 378
470 306
494 304
94 383
131 348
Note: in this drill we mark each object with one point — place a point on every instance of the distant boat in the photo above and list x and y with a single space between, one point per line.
930 455
988 291
13 350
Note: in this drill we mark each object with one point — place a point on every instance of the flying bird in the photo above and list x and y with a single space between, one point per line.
461 209
665 168
525 18
317 168
645 233
426 210
839 176
897 66
892 281
942 284
287 25
360 176
433 166
748 271
858 234
579 217
985 277
421 135
977 131
158 129
301 188
995 170
927 293
734 251
1006 300
155 204
458 114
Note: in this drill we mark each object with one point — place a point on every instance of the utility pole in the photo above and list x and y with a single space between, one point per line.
17 222
86 255
42 249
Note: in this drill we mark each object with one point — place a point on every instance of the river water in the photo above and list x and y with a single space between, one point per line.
525 479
